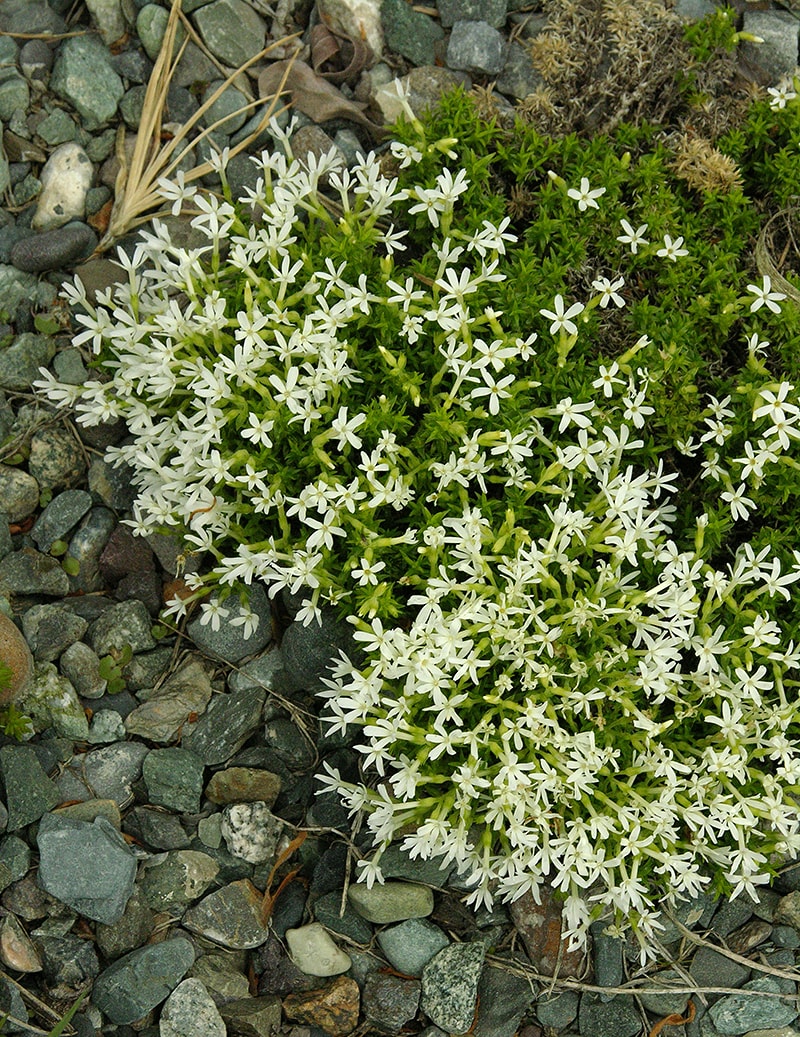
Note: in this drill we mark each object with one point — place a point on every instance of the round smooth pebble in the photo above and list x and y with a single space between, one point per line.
66 177
314 952
391 902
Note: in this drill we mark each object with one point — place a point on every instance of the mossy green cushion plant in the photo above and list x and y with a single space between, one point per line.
537 463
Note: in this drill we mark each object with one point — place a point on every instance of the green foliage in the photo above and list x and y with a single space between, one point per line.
111 667
712 34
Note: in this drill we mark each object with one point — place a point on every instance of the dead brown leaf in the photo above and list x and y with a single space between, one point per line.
313 95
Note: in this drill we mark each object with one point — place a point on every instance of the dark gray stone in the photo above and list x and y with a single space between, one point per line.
50 629
19 493
112 484
410 945
15 859
229 643
20 363
85 547
54 249
231 30
81 666
738 1013
609 968
29 791
65 846
131 930
127 990
231 916
450 986
409 32
69 964
29 572
174 779
776 55
111 771
519 78
710 969
127 623
617 1017
83 76
225 726
668 1002
389 1002
173 880
558 1010
308 651
156 829
60 517
56 458
326 911
503 999
493 12
477 48
261 672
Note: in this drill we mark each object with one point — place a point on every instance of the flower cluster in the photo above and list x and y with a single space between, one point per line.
560 683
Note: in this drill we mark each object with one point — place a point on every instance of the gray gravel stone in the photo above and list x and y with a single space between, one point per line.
29 572
665 1003
83 76
127 623
230 916
251 832
19 493
14 93
127 990
228 107
411 945
29 793
20 362
450 986
189 1011
65 846
391 901
327 912
260 672
308 651
54 249
558 1010
167 711
85 547
57 128
50 629
503 1000
107 16
738 1013
60 517
389 1002
519 78
409 32
15 859
56 458
111 771
777 53
173 880
112 484
616 1017
18 289
231 30
229 643
174 779
69 963
131 930
225 726
477 48
493 12
81 666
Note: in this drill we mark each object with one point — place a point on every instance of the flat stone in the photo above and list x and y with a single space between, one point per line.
776 55
411 945
15 859
252 1016
107 16
389 1002
327 911
18 289
157 829
57 128
493 12
519 78
174 779
334 1008
173 880
69 964
54 249
260 672
89 809
477 48
133 929
613 1017
230 916
251 832
391 901
20 362
558 1010
228 107
231 30
189 1011
14 93
540 927
229 643
100 892
111 771
60 517
127 990
83 76
409 32
450 986
50 629
125 624
17 950
29 793
85 547
175 707
309 651
738 1013
711 969
243 785
112 484
668 1002
225 726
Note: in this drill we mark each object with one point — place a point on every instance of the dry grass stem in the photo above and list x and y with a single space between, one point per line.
136 192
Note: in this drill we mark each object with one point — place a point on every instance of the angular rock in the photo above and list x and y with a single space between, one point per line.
170 881
157 829
17 950
66 177
29 793
309 651
313 951
127 990
89 809
20 362
70 244
230 916
225 726
411 945
83 76
130 931
450 986
19 493
358 19
81 666
60 517
477 48
327 911
51 702
228 107
252 1016
776 54
540 926
100 892
174 779
616 1017
389 1002
189 1011
69 964
107 16
558 1010
111 771
15 859
260 672
493 12
50 629
56 459
333 1008
86 546
738 1013
125 624
409 32
251 832
175 707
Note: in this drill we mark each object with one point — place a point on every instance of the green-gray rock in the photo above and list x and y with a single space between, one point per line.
231 30
450 986
60 516
18 288
174 779
20 363
83 76
221 977
616 1017
230 916
186 693
66 847
29 791
409 32
171 881
228 106
51 702
225 726
411 945
14 93
127 623
56 459
254 1016
327 911
90 809
738 1013
57 128
127 990
50 629
391 902
151 24
130 931
19 493
15 859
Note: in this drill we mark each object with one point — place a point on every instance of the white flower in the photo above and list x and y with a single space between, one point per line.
367 574
764 296
344 429
213 612
573 413
739 503
561 318
585 196
248 620
672 249
632 237
608 379
781 94
608 291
